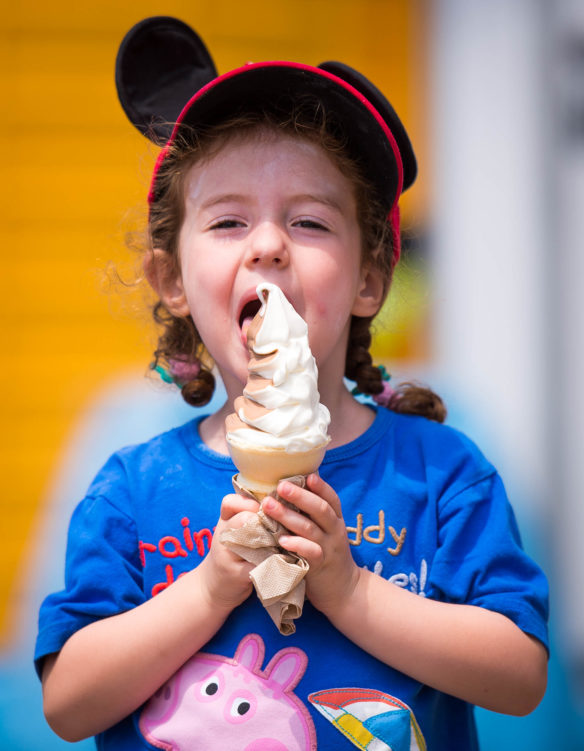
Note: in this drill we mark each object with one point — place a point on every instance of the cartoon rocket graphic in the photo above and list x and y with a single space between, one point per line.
371 720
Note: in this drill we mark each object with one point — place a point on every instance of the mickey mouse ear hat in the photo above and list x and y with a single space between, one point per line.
165 77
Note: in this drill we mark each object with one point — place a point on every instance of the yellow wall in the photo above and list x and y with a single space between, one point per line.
73 167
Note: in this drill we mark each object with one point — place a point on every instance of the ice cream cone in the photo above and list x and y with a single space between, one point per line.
278 430
260 469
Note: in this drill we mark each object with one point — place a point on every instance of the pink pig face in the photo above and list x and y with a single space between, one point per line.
214 702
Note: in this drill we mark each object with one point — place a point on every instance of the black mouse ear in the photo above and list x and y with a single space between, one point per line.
378 100
161 63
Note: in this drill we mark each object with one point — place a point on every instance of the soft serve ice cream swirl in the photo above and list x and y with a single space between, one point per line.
280 406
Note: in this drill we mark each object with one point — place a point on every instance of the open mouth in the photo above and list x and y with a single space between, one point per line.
247 315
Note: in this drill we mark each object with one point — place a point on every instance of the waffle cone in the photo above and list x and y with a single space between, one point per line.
260 469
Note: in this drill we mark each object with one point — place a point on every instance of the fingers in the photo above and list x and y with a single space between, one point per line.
307 549
317 485
315 526
233 504
318 501
296 523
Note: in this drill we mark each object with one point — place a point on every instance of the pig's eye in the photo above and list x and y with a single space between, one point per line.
210 687
240 707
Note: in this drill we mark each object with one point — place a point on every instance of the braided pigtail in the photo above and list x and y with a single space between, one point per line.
408 398
413 399
187 370
359 364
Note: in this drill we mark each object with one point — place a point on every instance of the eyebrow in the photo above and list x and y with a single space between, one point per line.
223 198
326 200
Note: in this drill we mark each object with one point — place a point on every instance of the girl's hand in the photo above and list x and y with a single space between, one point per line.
319 535
225 576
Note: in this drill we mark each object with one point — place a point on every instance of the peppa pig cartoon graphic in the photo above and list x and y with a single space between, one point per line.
215 702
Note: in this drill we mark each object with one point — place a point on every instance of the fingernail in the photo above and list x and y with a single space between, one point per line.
269 504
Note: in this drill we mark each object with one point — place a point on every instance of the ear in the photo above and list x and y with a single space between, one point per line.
166 281
370 294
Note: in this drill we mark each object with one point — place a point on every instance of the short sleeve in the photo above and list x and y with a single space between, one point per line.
480 560
103 574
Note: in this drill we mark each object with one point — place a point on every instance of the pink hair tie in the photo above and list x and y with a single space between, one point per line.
184 371
384 397
386 394
179 371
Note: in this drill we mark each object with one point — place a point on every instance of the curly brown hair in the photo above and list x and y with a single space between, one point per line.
179 340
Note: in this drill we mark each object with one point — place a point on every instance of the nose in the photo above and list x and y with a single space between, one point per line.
268 246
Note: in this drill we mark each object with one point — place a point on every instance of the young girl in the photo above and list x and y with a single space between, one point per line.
420 600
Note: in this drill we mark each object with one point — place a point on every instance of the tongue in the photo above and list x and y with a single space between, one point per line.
245 324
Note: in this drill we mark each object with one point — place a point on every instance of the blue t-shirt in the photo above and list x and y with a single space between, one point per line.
423 508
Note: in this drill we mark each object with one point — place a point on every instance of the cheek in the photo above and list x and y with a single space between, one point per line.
332 304
200 258
326 332
207 285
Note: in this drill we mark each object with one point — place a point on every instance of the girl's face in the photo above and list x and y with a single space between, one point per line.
271 208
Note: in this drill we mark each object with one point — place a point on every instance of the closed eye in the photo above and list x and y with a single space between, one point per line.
227 224
310 224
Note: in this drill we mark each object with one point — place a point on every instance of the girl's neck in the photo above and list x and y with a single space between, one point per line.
349 419
212 429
